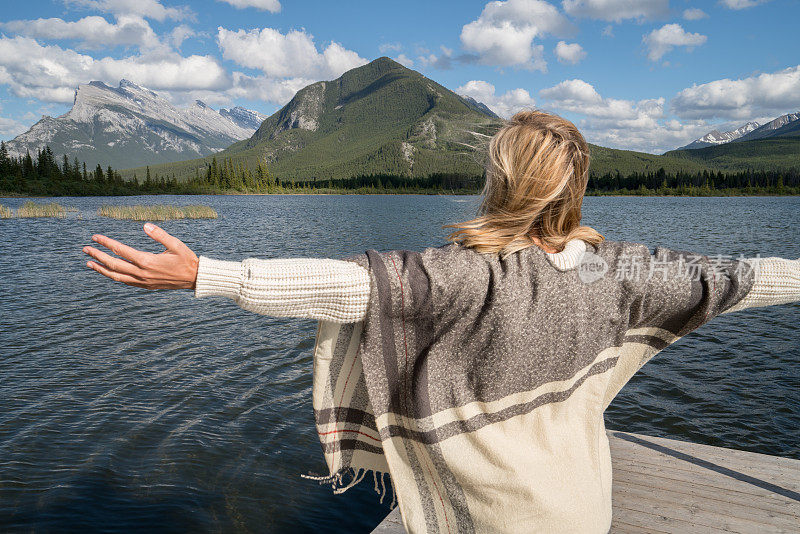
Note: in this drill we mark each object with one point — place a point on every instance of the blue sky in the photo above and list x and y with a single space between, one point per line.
646 75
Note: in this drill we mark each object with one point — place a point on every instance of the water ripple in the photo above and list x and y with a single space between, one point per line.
127 409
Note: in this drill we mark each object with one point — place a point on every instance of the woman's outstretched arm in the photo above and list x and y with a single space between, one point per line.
324 289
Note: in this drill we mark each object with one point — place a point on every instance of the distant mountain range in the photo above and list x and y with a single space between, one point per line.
785 125
383 118
715 137
380 118
129 125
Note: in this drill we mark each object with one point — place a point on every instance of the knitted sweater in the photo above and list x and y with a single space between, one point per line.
338 290
477 382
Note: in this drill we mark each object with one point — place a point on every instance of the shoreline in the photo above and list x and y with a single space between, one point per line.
399 193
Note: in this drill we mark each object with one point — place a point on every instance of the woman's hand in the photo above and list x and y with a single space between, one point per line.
175 268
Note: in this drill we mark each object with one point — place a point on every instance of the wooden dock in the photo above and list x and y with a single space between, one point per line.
670 486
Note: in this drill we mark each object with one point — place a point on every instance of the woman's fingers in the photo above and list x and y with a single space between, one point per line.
115 264
159 234
129 253
114 275
176 268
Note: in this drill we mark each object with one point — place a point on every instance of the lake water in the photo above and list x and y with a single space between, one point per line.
125 409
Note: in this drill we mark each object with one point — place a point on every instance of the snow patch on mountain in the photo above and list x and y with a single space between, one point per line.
130 125
715 137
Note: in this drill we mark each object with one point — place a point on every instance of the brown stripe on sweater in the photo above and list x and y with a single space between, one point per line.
421 322
479 421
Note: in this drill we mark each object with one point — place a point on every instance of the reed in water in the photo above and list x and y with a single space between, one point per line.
5 212
157 212
34 209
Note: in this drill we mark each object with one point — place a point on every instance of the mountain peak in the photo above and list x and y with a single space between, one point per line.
130 125
785 124
123 83
715 137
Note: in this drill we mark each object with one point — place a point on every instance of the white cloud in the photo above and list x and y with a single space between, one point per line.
608 31
579 96
152 9
291 55
51 73
273 6
404 60
504 105
664 39
741 4
504 32
633 125
267 89
92 32
617 10
390 47
569 53
243 87
443 61
179 34
763 95
694 14
10 128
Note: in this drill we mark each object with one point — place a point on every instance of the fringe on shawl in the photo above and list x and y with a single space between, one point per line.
340 484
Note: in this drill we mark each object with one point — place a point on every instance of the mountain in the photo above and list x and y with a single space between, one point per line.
767 154
377 118
246 118
788 124
715 137
481 106
129 125
382 118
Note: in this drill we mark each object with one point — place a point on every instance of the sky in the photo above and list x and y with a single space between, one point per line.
647 75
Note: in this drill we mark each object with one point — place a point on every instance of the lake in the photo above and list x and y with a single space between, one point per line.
124 409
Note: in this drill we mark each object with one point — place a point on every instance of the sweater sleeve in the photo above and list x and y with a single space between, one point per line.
678 291
670 293
684 290
776 281
309 288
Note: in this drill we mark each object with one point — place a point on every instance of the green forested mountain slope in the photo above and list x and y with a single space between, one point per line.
771 153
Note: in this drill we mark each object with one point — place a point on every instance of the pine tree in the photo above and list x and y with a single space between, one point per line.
66 170
76 170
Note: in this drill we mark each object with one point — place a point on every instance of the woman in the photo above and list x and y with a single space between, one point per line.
477 373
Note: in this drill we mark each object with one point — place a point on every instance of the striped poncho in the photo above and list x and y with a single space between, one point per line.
478 382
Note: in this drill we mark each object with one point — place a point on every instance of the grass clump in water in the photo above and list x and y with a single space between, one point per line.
158 212
5 212
33 209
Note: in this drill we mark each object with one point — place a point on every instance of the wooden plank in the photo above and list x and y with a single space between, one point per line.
701 510
688 487
783 476
650 522
782 481
752 461
392 524
621 526
663 485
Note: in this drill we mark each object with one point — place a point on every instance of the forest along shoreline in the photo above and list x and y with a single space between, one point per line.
44 176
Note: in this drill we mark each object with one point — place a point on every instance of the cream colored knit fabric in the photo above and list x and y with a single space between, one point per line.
338 291
329 290
777 281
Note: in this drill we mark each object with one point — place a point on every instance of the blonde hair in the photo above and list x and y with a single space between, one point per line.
536 176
